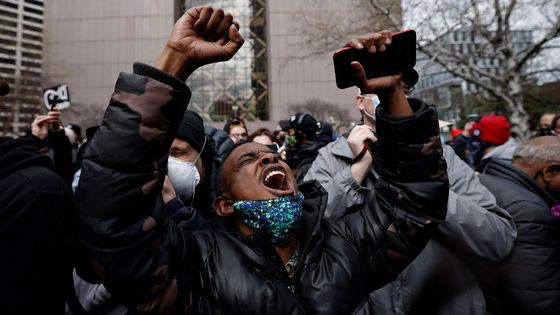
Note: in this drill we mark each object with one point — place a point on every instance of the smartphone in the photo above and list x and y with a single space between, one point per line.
274 147
399 55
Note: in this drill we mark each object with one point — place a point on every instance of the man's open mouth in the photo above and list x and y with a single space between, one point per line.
276 179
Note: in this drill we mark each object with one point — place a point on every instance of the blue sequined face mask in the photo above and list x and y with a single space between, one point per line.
278 218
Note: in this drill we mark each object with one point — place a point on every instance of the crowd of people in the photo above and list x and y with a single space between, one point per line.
158 213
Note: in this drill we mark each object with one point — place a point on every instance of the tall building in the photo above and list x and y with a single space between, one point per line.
21 48
88 42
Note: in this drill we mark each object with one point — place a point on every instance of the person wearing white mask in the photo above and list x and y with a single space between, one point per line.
188 164
188 167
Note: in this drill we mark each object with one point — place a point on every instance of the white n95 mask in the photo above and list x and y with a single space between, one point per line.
184 178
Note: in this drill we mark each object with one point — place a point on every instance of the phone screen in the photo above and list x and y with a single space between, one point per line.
274 147
399 55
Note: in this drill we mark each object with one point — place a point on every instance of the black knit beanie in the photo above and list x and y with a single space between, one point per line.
191 130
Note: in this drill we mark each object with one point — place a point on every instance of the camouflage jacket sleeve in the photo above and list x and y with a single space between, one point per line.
134 247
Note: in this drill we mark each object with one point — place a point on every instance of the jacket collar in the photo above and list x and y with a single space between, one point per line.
504 170
314 206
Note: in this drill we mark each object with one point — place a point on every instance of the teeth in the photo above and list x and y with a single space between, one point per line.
267 178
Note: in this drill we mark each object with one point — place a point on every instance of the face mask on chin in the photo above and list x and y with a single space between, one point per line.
278 218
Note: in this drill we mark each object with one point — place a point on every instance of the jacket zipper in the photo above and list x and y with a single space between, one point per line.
304 253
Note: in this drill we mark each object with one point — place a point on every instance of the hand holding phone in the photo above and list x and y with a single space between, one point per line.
380 54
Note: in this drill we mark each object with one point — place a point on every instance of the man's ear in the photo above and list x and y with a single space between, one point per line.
550 171
224 206
359 102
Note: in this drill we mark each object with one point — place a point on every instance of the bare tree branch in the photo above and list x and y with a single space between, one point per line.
533 50
495 91
550 70
397 23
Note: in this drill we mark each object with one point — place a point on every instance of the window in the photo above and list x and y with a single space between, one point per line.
37 3
31 10
32 28
9 4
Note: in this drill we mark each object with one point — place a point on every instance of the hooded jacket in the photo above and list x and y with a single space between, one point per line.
34 207
528 281
144 257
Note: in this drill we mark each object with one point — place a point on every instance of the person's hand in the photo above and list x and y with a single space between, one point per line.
282 152
356 140
168 192
389 89
40 127
55 120
201 36
373 42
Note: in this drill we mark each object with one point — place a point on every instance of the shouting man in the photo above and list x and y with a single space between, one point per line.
275 253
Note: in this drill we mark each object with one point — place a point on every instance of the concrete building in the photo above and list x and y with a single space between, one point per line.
88 42
21 47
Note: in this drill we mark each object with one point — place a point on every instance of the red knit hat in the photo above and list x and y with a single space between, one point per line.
492 128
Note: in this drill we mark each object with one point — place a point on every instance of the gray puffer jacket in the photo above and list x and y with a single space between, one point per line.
475 228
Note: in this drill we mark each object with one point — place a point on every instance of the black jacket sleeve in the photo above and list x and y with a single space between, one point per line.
410 197
413 187
413 184
123 221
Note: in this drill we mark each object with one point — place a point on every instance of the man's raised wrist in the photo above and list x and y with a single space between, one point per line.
174 63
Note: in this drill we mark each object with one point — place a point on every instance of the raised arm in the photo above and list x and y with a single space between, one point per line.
136 250
413 170
413 186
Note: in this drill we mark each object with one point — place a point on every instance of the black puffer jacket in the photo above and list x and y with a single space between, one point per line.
528 281
143 257
35 205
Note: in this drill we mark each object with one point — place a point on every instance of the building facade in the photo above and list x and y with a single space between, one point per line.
21 48
88 42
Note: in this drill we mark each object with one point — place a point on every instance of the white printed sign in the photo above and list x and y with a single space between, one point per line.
57 95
